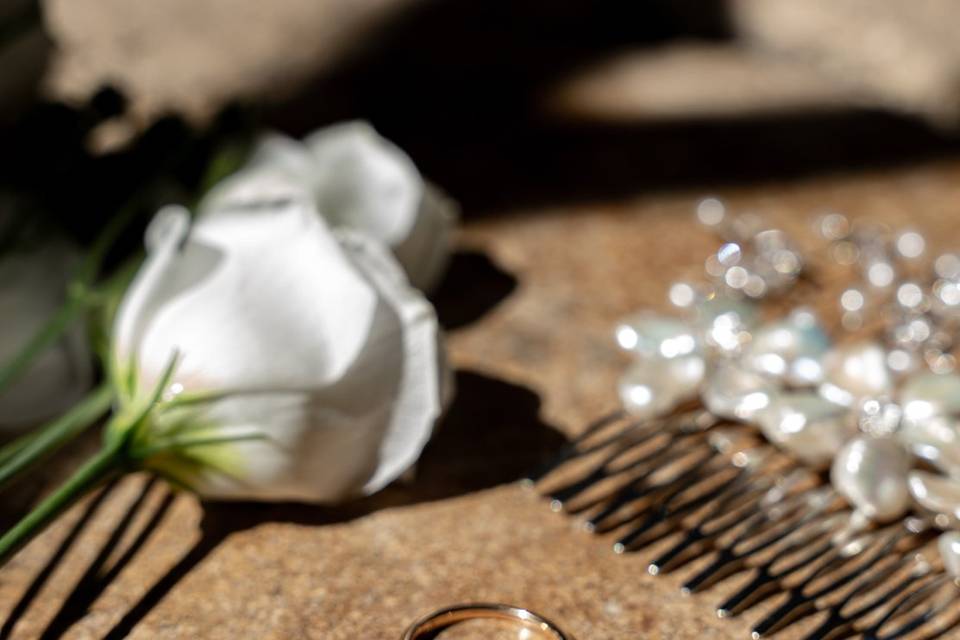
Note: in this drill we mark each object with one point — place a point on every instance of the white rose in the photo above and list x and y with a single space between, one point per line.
313 351
33 282
359 180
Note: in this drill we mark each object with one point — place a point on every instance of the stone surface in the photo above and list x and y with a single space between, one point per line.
542 359
588 229
898 53
642 85
192 57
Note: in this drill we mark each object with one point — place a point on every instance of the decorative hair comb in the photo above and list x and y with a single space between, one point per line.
826 469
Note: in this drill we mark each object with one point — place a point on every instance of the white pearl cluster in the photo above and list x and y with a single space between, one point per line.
753 261
921 312
882 413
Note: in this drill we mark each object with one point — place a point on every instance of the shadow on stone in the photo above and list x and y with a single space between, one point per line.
98 577
471 288
41 578
492 435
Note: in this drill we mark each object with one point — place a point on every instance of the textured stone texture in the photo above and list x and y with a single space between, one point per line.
900 53
365 571
566 230
735 82
190 57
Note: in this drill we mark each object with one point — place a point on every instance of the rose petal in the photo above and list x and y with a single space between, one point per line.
359 180
366 428
365 182
425 383
325 351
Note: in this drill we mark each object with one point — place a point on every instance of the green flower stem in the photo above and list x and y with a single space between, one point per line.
49 333
93 261
11 448
105 464
82 295
23 453
80 298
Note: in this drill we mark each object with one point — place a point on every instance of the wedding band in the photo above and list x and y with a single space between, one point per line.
426 627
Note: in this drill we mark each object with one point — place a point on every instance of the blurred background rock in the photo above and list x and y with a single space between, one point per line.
576 135
536 95
895 53
24 50
194 56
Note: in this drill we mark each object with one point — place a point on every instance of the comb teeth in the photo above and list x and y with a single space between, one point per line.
727 496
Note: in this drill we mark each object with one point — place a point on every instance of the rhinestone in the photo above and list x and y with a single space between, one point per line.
852 300
879 418
947 266
909 295
833 226
910 244
711 212
736 277
880 274
682 295
729 254
755 286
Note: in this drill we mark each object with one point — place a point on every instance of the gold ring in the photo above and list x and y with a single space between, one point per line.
425 627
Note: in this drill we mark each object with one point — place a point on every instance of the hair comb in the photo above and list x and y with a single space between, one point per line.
824 469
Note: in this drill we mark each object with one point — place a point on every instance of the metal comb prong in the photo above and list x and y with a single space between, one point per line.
703 535
572 449
920 572
661 511
697 420
639 488
637 481
772 525
910 602
605 470
669 511
839 624
622 444
606 521
682 428
766 580
801 603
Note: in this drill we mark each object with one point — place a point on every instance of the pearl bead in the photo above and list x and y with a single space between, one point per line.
736 394
936 440
936 493
949 545
871 473
856 371
652 387
790 349
806 426
725 323
651 335
928 394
